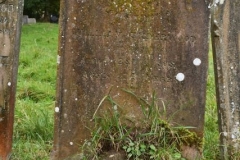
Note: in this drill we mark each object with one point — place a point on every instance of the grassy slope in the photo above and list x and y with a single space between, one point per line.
33 132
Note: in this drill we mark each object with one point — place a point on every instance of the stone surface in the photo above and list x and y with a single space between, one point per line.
226 49
142 46
31 21
25 19
10 24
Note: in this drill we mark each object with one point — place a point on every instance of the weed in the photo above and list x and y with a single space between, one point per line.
156 139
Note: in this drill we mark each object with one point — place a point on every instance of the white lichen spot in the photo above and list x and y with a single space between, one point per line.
71 143
76 99
232 67
115 107
197 62
233 136
180 77
74 18
222 1
57 109
58 59
225 134
9 84
62 131
111 156
219 1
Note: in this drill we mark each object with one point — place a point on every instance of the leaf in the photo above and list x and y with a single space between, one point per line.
105 97
138 153
129 149
129 155
152 147
131 144
184 127
142 146
177 155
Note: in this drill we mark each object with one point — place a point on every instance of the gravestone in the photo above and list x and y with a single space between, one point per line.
31 21
226 51
25 19
10 24
149 46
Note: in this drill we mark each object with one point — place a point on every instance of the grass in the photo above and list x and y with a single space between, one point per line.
33 128
211 135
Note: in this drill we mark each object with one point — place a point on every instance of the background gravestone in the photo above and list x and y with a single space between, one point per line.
141 46
226 49
10 24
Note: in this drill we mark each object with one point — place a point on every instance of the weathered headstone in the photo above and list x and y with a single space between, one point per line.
226 49
10 24
142 46
25 19
31 21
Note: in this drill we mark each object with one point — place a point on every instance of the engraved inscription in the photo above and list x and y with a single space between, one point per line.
156 68
7 19
3 19
6 7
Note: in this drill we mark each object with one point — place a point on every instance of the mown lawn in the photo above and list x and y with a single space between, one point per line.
33 128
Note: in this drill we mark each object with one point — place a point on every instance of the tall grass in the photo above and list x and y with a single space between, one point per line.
33 128
211 135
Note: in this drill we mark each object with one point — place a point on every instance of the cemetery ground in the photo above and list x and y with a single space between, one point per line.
33 128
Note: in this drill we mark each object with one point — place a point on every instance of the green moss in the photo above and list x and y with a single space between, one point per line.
135 7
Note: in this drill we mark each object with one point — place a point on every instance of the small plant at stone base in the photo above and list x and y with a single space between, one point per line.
156 139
